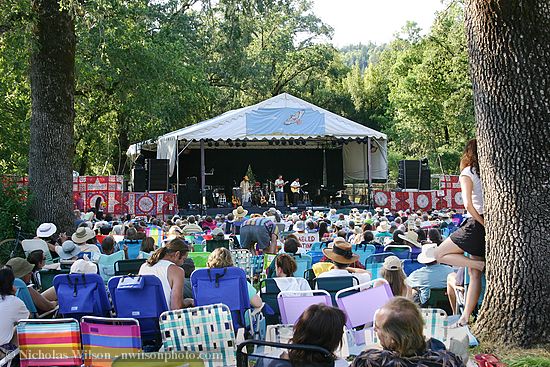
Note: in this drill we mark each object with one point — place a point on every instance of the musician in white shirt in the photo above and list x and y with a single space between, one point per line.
295 187
280 191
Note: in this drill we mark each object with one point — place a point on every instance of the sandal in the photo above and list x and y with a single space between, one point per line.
488 360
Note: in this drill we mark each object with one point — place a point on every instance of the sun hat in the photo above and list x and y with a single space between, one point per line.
411 237
46 230
341 252
299 226
82 266
67 250
100 224
240 212
271 212
428 253
20 266
82 235
392 263
384 226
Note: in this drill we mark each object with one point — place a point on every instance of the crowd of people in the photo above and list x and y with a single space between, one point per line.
432 238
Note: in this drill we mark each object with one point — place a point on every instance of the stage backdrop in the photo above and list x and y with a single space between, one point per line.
423 200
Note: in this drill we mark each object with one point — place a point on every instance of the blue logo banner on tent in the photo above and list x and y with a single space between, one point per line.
285 121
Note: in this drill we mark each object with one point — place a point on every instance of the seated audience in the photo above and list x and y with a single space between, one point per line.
434 236
22 269
285 266
82 266
399 326
84 237
392 272
165 263
13 310
322 326
342 257
191 227
432 276
221 258
38 260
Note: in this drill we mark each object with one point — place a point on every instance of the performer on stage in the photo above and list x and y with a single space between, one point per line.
295 188
280 191
245 189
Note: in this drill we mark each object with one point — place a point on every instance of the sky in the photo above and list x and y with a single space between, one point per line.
361 21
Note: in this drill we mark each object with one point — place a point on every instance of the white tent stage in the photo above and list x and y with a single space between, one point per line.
281 122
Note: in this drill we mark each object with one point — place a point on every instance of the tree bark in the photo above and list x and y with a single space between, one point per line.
509 48
52 119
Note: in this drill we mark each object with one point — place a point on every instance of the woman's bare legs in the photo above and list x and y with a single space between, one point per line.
449 253
473 293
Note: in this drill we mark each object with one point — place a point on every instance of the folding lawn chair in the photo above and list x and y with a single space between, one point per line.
104 339
81 295
37 244
410 265
363 251
335 284
401 251
303 262
106 265
126 267
199 258
204 329
373 263
245 359
242 258
293 303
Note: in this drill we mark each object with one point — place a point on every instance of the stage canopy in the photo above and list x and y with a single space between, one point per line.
281 118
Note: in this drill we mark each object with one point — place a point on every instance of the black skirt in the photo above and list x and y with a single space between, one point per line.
470 237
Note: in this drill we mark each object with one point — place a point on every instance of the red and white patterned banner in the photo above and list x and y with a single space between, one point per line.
157 204
420 200
107 188
449 182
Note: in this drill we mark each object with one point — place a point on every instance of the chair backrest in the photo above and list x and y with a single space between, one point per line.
303 262
335 284
439 300
129 303
268 293
243 259
245 359
257 263
410 265
211 245
316 256
317 246
361 306
401 251
126 267
199 258
293 303
156 234
104 339
58 338
106 265
435 323
81 295
373 263
37 244
363 251
222 285
204 329
24 295
47 275
133 248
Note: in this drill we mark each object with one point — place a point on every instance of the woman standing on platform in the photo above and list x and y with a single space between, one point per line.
470 237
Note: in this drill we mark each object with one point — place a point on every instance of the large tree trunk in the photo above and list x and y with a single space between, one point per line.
52 120
509 47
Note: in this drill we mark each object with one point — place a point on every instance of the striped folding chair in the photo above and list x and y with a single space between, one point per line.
374 263
49 342
435 323
205 329
243 259
104 339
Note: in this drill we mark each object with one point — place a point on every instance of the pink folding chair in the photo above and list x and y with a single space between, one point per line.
293 303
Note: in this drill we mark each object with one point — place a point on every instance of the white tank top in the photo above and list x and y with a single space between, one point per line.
160 270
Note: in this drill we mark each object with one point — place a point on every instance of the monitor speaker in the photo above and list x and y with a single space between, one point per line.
192 191
158 174
414 174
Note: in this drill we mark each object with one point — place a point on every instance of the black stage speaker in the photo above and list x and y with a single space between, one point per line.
414 175
158 174
192 192
139 179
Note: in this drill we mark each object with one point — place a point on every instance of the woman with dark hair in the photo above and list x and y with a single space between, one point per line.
165 263
434 236
399 326
38 259
285 266
322 326
13 310
470 237
323 230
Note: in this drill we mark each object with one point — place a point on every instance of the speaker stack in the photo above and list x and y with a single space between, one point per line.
158 174
414 174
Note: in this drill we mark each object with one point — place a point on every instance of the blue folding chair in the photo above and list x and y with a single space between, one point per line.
24 295
401 251
373 263
145 303
81 295
410 265
363 251
134 246
106 264
268 293
223 285
316 256
318 246
303 262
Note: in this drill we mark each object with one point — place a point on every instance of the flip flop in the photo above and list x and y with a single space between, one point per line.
488 360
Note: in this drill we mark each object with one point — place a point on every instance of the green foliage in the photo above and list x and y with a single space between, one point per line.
529 361
13 202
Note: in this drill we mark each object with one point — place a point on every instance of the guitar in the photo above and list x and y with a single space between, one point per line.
283 185
297 189
235 201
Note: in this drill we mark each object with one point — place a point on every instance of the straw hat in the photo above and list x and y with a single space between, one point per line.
240 212
46 230
411 237
427 255
82 235
341 252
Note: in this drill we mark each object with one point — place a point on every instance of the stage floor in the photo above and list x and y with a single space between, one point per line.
285 210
